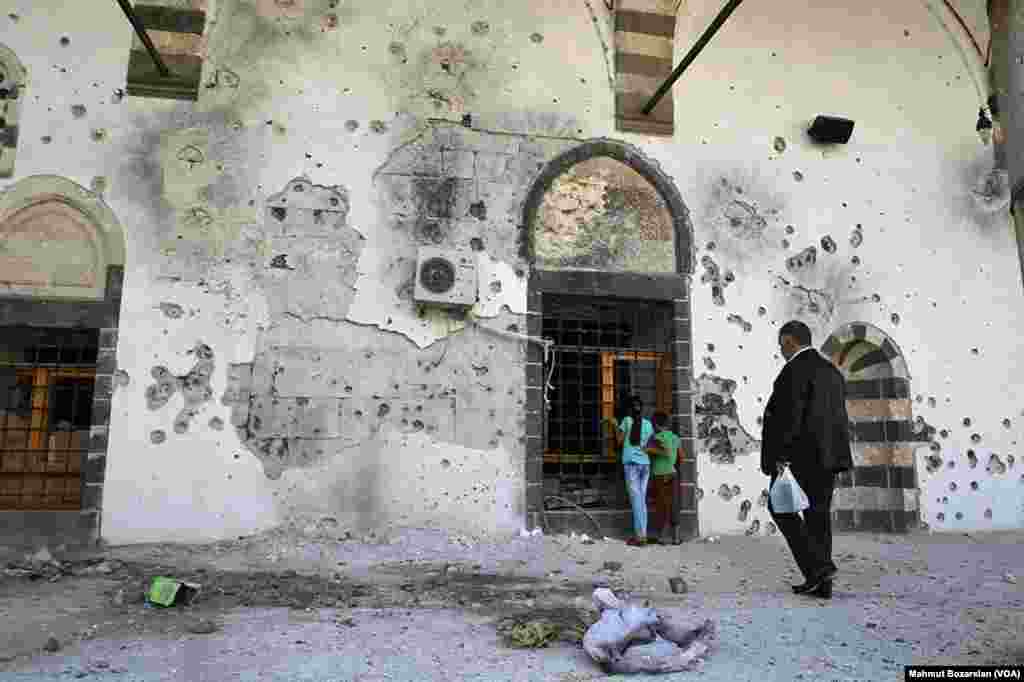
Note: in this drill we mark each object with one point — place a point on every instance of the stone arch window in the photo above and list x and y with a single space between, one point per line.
62 257
603 206
12 93
59 240
879 494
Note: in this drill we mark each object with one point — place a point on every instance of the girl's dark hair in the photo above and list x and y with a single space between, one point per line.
636 405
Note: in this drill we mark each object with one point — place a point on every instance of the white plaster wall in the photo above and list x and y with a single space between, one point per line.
905 176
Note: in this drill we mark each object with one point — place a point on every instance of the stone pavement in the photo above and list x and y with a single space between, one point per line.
422 606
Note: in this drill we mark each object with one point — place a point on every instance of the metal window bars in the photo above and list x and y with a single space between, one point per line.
604 352
46 398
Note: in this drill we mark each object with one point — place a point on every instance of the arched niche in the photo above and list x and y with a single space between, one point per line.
57 240
603 206
13 78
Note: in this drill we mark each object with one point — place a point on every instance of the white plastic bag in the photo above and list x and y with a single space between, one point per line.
786 495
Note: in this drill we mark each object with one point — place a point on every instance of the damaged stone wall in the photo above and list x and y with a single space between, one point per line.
300 294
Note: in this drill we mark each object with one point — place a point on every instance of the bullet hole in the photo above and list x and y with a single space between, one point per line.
805 259
379 127
725 492
856 237
933 463
536 38
959 516
445 463
729 277
172 310
157 436
13 17
495 287
117 96
770 528
995 465
358 414
932 402
761 311
383 409
944 500
944 433
738 320
920 399
478 210
974 485
972 459
744 510
710 246
798 176
790 229
46 139
439 31
940 516
1010 459
709 364
952 487
476 244
700 494
98 135
762 500
480 28
779 144
78 110
828 245
967 421
975 438
65 41
351 125
280 262
1007 423
951 464
895 318
988 513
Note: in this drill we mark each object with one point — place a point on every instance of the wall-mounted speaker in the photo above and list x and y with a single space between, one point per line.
831 130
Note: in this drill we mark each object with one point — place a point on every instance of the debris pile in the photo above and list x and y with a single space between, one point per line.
633 639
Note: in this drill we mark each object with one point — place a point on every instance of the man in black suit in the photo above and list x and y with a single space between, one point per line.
806 426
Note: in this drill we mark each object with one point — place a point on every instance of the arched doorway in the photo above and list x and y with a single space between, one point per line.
609 242
61 272
880 492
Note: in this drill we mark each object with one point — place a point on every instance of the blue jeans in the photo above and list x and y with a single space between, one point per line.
637 477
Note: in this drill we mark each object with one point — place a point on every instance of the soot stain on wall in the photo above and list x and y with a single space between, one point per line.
741 217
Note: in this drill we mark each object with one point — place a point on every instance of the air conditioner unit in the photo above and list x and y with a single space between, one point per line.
445 277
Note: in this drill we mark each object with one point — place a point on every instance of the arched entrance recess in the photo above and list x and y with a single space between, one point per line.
880 492
61 272
610 245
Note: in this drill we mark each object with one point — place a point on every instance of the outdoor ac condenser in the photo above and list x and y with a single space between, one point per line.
445 277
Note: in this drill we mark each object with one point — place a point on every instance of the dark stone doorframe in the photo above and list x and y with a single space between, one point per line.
80 529
672 289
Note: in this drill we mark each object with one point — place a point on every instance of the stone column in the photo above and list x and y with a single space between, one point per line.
1011 67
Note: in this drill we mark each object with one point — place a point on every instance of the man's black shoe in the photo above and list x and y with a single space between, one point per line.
824 590
809 586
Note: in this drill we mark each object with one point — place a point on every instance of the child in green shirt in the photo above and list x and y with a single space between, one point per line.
663 452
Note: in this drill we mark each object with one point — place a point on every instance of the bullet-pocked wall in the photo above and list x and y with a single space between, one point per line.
273 365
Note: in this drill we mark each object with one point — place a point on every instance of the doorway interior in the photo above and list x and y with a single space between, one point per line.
604 351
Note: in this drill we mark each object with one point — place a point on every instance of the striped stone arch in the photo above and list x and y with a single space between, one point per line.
645 33
880 493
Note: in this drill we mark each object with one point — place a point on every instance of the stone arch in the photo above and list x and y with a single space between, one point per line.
880 492
60 240
659 279
634 159
13 78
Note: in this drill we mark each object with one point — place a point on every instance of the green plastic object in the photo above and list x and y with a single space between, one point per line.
168 592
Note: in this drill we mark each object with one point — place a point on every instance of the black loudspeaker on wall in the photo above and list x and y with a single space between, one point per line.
831 130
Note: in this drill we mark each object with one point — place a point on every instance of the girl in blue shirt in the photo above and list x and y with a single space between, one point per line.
632 436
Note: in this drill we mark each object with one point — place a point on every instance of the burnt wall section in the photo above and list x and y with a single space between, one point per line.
880 493
68 530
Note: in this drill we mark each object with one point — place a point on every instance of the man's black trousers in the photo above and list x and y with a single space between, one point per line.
810 538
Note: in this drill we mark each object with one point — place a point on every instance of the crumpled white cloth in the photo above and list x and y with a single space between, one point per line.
634 639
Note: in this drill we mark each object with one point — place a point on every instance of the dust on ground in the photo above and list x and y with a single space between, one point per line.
935 598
